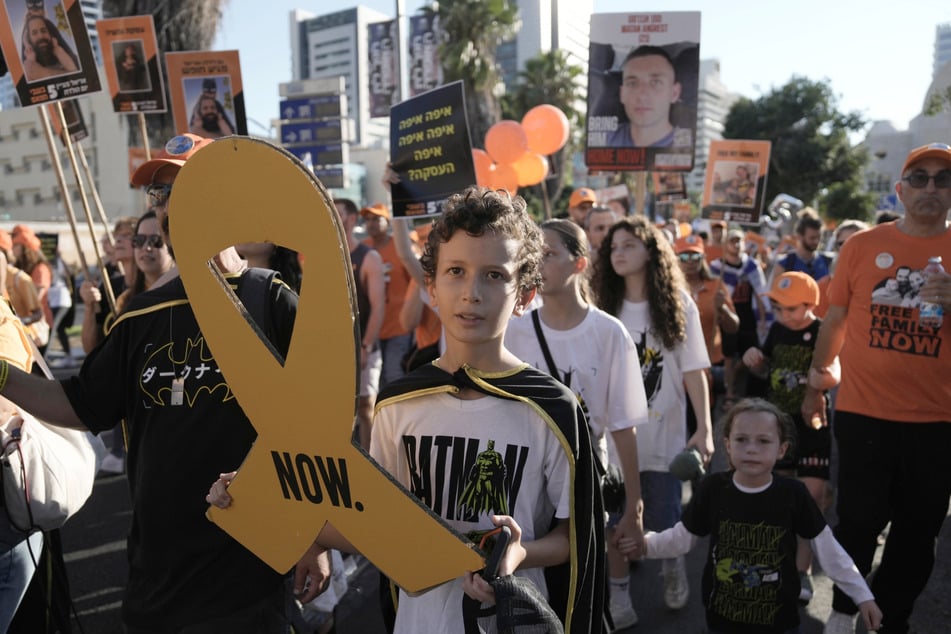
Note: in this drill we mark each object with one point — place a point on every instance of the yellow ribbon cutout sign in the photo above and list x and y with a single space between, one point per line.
303 470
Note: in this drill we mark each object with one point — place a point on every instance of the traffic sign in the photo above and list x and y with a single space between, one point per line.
313 107
333 154
330 131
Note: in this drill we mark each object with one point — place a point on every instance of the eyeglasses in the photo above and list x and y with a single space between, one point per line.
690 257
153 240
919 180
158 194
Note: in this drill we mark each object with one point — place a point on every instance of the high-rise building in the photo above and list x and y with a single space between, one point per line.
714 101
92 11
335 44
942 47
548 25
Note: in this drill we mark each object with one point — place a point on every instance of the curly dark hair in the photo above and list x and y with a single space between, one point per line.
665 281
477 210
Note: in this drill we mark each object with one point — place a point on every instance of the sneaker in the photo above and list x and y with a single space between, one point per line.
805 587
840 623
112 464
623 616
676 588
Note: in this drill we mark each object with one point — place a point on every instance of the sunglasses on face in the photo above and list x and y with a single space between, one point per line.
919 180
158 194
690 257
153 240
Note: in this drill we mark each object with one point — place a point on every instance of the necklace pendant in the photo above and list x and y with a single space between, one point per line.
178 391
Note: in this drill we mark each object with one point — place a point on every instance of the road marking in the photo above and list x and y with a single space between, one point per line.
105 549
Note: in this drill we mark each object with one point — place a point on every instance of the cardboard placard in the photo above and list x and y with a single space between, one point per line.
643 74
133 67
47 48
304 469
75 123
735 184
430 150
206 93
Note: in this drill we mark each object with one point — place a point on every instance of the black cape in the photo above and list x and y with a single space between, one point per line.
577 588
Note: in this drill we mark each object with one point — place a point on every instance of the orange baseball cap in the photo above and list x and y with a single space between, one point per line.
378 209
793 288
689 244
582 195
178 150
940 151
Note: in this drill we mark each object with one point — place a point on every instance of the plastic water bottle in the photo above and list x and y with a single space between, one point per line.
931 315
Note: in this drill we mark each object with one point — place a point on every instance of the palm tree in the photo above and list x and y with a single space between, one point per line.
180 25
471 31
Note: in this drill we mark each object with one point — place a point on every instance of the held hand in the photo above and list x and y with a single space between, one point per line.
937 290
472 582
218 493
312 573
871 615
89 293
823 379
390 177
753 357
629 536
813 408
702 441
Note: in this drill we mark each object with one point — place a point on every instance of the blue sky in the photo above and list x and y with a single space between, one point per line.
876 54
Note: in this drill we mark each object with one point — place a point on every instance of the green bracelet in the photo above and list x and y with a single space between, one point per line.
4 373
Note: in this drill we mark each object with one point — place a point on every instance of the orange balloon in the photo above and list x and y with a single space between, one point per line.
483 166
546 128
504 177
531 169
506 142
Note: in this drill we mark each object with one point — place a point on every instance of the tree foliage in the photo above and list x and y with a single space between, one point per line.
471 32
548 78
810 139
180 25
845 201
938 102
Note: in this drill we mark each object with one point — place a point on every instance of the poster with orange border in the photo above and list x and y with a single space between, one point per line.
205 91
735 183
47 49
132 64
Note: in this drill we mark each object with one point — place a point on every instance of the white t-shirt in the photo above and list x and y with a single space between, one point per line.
663 373
468 460
598 362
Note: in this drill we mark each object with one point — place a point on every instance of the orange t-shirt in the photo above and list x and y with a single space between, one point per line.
397 279
892 368
705 300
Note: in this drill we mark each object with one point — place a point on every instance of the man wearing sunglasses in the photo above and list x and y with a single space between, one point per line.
154 370
892 416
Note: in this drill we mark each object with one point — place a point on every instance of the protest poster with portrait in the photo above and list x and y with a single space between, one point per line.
384 67
131 60
47 49
430 150
643 73
206 94
735 184
425 69
75 123
617 198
